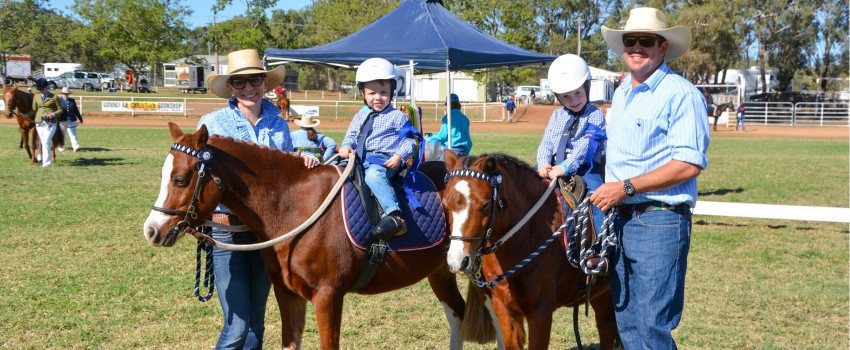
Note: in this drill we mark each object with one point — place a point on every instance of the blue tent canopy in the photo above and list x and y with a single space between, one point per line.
420 30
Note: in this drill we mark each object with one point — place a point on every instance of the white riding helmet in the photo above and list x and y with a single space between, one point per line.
375 69
567 73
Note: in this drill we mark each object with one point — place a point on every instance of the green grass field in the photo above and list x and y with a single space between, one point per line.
79 275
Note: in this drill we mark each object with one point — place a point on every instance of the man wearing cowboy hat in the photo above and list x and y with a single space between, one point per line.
69 118
657 144
243 286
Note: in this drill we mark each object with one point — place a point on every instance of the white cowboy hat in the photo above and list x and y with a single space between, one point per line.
650 20
307 121
243 63
66 91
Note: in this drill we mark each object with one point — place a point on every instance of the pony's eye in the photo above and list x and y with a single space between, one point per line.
181 181
486 205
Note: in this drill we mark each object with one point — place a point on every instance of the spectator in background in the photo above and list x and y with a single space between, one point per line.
741 118
461 139
309 141
45 113
531 96
510 105
69 118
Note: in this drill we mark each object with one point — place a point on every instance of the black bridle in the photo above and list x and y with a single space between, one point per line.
205 156
495 181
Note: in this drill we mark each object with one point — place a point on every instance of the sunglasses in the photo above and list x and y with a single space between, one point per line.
645 41
255 80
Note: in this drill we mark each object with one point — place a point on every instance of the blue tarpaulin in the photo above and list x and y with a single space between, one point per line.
420 30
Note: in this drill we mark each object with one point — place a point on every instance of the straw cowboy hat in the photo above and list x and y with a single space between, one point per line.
243 63
66 91
650 20
307 121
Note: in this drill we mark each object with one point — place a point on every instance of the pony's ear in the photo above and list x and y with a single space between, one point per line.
176 133
490 165
450 158
202 136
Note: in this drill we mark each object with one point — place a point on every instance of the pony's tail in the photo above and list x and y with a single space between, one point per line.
477 324
59 138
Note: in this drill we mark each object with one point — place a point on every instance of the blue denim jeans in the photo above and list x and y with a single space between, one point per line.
243 291
648 280
740 121
378 180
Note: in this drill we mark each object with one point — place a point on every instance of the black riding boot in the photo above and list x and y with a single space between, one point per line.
390 226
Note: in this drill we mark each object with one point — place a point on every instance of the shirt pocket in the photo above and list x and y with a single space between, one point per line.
649 131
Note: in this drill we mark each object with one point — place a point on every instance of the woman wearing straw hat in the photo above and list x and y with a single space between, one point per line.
308 140
243 286
657 143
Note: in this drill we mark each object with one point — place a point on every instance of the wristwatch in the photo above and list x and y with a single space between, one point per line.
628 188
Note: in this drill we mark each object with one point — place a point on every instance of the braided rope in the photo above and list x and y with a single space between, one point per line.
209 276
578 252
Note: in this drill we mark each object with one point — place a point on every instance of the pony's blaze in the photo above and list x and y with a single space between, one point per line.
152 229
459 217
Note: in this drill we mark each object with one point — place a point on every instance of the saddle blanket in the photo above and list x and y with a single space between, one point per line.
426 226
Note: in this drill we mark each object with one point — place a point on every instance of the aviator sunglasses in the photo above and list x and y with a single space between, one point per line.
645 41
255 81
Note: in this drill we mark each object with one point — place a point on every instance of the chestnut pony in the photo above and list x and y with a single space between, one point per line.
22 102
273 192
531 294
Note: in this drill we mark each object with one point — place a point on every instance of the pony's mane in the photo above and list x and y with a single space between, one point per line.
504 159
220 138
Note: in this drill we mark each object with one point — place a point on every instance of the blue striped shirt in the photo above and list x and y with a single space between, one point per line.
661 120
271 130
577 148
384 137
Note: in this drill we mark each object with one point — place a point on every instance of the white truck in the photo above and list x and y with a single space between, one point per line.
17 69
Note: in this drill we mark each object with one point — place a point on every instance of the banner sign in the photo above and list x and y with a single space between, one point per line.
300 110
138 106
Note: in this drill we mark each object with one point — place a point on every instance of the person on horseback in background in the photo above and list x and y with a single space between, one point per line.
574 140
374 136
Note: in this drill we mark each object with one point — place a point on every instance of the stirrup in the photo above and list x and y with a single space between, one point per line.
389 227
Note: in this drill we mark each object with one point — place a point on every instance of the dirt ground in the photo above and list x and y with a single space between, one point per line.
531 119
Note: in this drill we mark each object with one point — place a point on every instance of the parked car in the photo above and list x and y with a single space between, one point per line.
75 80
523 91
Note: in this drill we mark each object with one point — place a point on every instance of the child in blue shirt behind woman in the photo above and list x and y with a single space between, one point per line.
374 134
310 141
574 140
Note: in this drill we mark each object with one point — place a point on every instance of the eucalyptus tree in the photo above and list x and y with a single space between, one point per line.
28 27
138 34
831 60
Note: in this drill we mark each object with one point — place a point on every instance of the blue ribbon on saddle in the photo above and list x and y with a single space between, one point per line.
410 131
597 135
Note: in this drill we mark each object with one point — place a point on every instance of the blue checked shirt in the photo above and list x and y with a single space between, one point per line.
577 148
649 125
271 130
384 137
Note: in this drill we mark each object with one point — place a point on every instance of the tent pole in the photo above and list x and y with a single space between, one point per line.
410 81
448 102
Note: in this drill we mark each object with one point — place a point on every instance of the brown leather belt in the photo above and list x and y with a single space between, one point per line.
226 219
627 210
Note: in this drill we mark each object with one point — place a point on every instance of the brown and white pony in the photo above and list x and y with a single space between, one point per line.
485 196
273 192
17 104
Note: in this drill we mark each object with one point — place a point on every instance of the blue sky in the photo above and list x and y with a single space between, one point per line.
201 9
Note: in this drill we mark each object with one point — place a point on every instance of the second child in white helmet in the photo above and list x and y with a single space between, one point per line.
374 134
574 140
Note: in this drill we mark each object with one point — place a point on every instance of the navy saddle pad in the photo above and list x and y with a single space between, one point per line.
426 226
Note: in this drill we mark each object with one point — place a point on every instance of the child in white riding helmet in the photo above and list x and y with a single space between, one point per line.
374 136
574 140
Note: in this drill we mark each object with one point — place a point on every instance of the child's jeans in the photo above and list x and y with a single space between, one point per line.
378 180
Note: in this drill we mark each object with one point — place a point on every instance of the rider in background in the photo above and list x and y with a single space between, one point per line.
45 113
461 140
574 140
